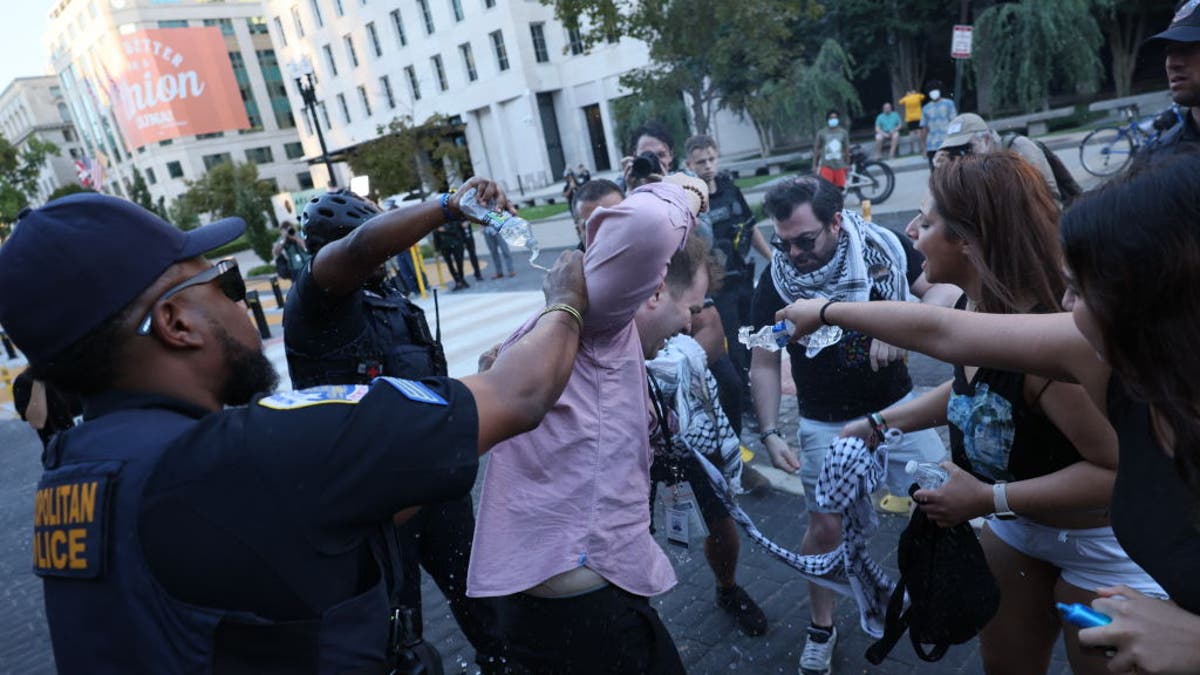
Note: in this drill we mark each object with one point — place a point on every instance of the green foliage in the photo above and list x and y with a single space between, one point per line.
232 189
183 214
68 189
532 213
1125 23
653 100
261 270
408 157
139 193
1033 43
236 246
19 168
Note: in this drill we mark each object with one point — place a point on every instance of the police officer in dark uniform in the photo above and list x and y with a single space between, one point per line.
336 333
176 534
1182 43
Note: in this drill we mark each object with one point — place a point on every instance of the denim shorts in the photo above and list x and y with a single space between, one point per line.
816 437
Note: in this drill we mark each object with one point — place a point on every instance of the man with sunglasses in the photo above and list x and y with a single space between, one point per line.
191 524
824 251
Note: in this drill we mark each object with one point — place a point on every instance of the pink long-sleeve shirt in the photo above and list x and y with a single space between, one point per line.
576 490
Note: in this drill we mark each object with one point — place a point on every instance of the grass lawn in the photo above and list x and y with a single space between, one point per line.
751 181
542 211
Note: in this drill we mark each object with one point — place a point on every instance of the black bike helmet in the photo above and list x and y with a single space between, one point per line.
333 215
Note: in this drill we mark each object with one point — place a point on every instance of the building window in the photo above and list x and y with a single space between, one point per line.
316 8
398 24
341 99
373 40
489 3
540 53
350 51
304 178
297 22
426 15
257 25
211 161
172 23
68 135
385 84
337 8
324 114
439 71
456 7
261 155
163 144
273 78
75 154
329 62
575 39
151 178
279 29
215 134
293 150
501 52
226 25
366 100
243 82
468 61
412 82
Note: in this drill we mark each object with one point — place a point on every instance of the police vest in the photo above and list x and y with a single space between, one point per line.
396 342
732 225
106 611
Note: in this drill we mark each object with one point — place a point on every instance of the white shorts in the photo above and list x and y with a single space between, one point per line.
815 438
1089 558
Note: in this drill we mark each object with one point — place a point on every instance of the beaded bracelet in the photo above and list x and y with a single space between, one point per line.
446 214
560 307
773 431
696 191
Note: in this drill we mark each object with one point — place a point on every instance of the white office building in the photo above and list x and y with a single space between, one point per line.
532 102
80 32
34 108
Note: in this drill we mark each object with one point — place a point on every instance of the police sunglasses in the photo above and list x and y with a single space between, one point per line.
805 243
225 272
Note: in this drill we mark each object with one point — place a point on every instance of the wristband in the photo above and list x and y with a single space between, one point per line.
561 307
1000 501
878 424
824 321
446 214
773 431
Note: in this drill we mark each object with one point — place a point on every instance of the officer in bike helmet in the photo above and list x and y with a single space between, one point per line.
345 323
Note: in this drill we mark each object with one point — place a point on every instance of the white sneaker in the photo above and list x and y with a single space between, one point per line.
817 657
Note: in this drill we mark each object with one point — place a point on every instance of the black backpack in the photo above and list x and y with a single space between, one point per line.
951 590
1068 187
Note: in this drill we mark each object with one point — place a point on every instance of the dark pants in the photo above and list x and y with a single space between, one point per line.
470 244
605 632
406 272
439 537
730 387
733 304
454 260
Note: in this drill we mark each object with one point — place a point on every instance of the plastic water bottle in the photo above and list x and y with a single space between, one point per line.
776 336
514 229
928 475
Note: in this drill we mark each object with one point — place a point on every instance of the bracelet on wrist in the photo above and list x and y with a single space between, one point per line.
562 307
824 321
773 431
447 214
878 424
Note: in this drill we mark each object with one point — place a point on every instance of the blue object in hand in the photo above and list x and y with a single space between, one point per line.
1082 615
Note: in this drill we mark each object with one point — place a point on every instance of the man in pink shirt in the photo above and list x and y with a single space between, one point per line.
563 531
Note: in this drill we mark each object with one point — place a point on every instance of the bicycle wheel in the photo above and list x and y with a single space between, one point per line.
1106 151
878 182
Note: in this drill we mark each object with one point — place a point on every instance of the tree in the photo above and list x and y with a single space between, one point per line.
139 192
68 189
19 169
1032 44
230 189
409 157
1125 22
655 100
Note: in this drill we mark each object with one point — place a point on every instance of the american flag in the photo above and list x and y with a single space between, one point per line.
90 172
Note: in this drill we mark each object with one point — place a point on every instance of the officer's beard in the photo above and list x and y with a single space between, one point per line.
250 372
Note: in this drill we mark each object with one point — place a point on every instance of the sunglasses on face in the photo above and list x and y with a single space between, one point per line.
225 273
958 150
805 242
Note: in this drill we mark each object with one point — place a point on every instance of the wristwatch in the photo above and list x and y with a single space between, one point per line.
773 431
1000 501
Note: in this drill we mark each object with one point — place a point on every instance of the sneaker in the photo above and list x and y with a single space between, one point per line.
753 481
817 657
748 615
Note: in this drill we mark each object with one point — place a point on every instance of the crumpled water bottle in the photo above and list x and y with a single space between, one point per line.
928 475
514 229
776 336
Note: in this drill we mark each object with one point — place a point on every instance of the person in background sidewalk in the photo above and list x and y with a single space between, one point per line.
887 126
448 240
912 101
969 134
831 151
935 119
499 252
469 243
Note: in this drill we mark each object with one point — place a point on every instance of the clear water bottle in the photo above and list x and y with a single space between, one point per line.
928 475
514 229
771 338
819 339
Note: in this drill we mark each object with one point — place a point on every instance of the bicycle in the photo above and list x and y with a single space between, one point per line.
871 180
1108 150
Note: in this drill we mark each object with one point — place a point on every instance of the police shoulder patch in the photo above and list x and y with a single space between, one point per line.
70 521
413 390
303 398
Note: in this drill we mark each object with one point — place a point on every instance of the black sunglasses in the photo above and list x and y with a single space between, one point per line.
225 272
805 243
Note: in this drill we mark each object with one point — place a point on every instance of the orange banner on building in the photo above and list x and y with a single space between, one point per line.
169 82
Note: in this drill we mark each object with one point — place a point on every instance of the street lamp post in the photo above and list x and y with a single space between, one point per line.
303 73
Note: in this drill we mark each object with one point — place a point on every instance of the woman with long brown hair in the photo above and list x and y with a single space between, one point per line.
1021 444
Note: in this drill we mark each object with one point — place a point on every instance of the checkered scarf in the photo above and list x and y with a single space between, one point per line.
867 256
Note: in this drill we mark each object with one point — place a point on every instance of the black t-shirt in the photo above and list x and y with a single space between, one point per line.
315 322
838 383
272 510
728 213
1154 514
1007 439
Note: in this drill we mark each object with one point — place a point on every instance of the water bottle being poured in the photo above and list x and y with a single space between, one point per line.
514 229
775 337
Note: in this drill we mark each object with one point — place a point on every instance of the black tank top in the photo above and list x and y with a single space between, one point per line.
995 434
1154 514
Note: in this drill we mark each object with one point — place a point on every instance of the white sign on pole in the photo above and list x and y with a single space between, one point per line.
960 44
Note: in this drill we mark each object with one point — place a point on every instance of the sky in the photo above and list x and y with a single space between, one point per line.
21 32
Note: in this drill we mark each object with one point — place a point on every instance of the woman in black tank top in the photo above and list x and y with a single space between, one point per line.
1132 252
990 228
